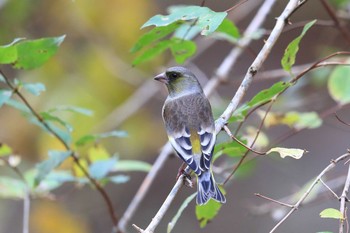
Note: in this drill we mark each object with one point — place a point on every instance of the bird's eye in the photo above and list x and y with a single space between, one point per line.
173 75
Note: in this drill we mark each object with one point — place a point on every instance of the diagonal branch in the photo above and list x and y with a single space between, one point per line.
343 30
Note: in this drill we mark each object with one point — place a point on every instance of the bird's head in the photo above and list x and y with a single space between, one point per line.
179 81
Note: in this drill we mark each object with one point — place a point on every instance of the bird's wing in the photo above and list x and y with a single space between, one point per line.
191 134
194 147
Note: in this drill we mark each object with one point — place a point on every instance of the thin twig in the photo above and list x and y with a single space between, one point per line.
273 200
343 30
228 131
26 198
331 190
270 207
235 6
240 162
342 121
343 200
302 198
67 147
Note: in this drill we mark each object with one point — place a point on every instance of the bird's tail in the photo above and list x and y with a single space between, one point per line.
207 188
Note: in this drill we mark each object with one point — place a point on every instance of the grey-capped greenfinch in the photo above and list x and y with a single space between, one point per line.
190 127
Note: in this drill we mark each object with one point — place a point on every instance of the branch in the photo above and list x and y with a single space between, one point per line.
343 200
165 206
228 131
73 154
26 198
240 162
302 198
257 63
343 30
269 207
341 120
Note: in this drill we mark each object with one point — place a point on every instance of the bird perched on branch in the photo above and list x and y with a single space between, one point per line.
190 127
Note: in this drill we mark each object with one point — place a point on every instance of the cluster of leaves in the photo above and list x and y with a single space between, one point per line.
39 181
184 23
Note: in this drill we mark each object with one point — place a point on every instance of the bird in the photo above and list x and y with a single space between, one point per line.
190 127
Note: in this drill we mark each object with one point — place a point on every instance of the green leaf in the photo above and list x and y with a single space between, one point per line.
293 119
49 117
93 137
5 150
187 31
204 17
5 95
152 52
232 149
207 212
29 54
260 98
8 53
331 213
132 165
339 84
12 188
100 169
52 181
291 152
182 49
228 31
309 120
292 49
119 179
34 53
55 159
19 106
179 212
154 35
34 88
74 109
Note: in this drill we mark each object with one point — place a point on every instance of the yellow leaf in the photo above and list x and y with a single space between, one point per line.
291 152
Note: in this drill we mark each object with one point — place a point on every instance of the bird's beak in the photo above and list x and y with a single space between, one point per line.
162 78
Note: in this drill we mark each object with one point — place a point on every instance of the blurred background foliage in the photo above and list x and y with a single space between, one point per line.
92 69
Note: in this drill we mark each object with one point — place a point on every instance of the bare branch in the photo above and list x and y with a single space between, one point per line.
341 120
273 200
228 131
343 200
343 30
165 206
302 198
331 190
240 162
